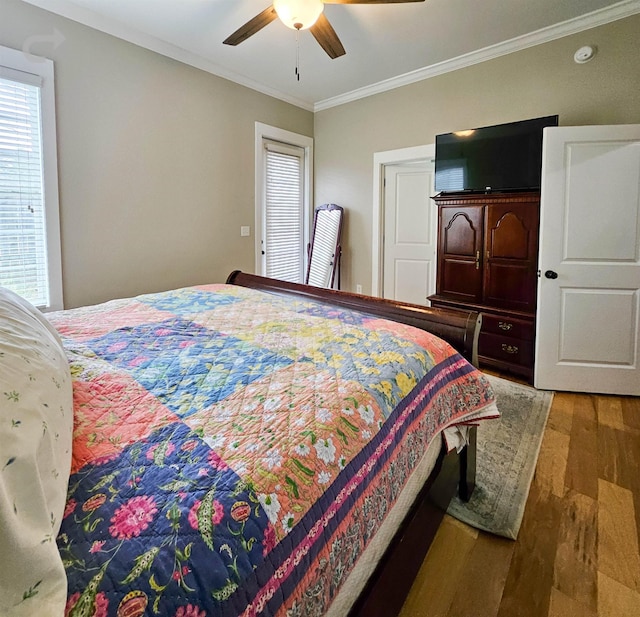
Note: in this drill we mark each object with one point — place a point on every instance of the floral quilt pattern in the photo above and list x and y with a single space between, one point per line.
227 441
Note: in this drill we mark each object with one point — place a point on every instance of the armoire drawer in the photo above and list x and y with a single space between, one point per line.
506 326
506 349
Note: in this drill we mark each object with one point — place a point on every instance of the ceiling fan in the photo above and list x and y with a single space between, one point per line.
302 15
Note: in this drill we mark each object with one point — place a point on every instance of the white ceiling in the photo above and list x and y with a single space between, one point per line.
387 45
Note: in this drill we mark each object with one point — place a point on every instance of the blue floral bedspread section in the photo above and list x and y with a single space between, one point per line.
369 369
157 525
319 309
186 302
184 365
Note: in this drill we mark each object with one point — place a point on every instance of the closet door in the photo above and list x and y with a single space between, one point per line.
511 249
460 253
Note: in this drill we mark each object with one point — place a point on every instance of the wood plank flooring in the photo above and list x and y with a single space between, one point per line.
577 553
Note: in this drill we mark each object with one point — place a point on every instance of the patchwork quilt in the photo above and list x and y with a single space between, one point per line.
234 451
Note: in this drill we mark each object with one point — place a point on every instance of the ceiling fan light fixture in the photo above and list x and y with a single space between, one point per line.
298 14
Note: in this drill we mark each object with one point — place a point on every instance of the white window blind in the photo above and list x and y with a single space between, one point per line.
284 212
23 237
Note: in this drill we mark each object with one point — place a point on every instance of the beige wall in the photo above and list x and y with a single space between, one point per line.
156 161
539 81
156 158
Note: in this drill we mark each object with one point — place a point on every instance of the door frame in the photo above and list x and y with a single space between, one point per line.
380 160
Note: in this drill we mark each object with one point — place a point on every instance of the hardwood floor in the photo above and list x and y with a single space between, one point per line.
577 551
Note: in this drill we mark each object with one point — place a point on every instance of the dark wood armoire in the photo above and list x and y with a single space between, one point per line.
487 261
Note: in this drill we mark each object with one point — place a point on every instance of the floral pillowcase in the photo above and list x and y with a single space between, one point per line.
36 423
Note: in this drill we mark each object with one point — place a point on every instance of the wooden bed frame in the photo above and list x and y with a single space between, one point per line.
384 594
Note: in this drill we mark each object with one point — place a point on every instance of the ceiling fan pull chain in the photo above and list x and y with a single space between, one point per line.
298 54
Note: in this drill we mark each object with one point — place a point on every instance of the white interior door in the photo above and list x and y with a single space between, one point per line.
588 321
409 232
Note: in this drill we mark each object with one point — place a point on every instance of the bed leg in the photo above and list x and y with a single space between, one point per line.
468 466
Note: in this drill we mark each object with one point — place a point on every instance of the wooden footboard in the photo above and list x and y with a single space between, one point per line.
459 328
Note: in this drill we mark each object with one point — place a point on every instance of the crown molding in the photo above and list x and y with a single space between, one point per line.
623 9
117 29
71 11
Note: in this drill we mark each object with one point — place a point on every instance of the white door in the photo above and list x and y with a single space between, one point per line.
410 219
588 323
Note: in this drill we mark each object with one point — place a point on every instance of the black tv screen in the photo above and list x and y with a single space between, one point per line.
504 157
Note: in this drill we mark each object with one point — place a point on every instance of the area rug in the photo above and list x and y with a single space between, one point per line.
508 450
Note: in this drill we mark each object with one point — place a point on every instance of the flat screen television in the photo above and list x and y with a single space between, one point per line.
504 157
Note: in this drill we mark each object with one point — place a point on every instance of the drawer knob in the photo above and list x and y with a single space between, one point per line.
510 348
504 325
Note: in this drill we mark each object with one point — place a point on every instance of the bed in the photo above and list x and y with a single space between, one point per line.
249 448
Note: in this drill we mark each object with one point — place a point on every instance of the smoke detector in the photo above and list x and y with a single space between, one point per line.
584 54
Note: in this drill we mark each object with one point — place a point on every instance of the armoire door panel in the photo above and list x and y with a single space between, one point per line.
460 279
461 231
511 255
460 242
509 285
513 230
509 238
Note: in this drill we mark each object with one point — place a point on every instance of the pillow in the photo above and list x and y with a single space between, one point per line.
36 424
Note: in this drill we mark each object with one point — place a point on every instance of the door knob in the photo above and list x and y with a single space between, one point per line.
550 274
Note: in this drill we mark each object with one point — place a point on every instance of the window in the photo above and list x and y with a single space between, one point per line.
283 188
283 213
29 219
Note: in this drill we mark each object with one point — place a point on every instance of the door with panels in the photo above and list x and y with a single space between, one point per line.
409 232
588 329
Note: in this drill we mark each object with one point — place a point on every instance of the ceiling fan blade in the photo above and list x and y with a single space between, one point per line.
324 33
368 1
252 26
